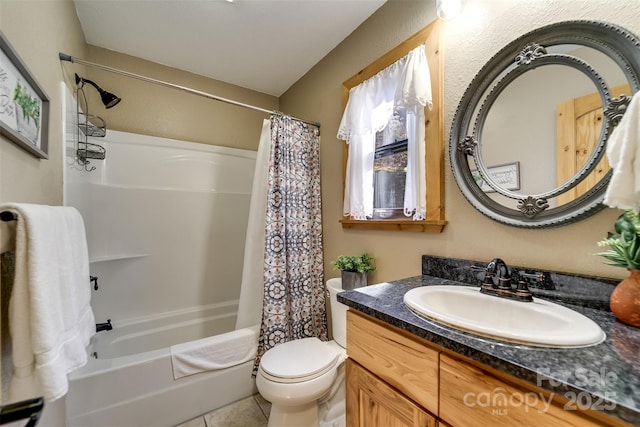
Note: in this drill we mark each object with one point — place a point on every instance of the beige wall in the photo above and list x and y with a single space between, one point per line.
38 30
151 109
470 40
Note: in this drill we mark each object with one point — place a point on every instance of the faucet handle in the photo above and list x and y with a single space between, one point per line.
522 292
538 279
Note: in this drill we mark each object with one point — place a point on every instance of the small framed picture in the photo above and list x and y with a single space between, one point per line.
507 176
24 106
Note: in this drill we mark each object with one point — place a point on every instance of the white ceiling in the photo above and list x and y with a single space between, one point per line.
264 45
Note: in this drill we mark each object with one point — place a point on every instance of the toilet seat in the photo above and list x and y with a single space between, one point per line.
298 361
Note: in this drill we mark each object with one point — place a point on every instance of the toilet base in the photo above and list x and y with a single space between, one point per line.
294 416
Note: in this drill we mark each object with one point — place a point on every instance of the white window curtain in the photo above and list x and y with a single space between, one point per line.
405 84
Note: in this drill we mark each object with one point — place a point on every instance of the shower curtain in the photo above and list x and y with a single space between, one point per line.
252 287
293 303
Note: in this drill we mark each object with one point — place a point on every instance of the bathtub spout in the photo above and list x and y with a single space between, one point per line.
104 326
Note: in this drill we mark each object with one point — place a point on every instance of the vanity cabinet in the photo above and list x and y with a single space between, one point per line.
397 379
400 361
379 404
469 395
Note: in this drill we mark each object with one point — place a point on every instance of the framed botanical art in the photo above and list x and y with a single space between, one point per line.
24 106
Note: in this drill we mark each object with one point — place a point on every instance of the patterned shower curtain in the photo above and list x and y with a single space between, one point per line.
294 304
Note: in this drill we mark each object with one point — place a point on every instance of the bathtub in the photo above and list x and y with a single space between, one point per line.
128 381
166 223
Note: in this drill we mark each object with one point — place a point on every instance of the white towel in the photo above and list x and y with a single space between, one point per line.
623 151
50 316
216 352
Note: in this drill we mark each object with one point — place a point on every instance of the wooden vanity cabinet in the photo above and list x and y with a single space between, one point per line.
396 379
399 360
469 395
378 404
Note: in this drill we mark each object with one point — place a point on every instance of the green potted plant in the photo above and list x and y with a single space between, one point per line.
354 269
624 251
624 244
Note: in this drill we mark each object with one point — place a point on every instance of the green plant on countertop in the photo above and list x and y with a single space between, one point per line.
360 264
624 244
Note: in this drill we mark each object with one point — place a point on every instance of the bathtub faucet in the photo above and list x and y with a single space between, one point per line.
104 326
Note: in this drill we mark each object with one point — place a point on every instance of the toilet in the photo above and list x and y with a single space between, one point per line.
294 376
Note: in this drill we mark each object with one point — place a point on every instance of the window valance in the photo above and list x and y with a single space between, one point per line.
404 85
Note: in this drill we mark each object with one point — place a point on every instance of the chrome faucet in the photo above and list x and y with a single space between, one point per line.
504 288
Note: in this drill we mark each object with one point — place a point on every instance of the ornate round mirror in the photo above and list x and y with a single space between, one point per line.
528 140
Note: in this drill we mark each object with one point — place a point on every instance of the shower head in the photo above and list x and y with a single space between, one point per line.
108 99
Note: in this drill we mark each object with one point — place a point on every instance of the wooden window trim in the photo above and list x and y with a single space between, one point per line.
430 36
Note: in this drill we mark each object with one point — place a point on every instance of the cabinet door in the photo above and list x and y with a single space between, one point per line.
401 361
373 403
471 397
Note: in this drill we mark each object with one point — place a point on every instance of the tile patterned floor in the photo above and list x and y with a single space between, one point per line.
250 412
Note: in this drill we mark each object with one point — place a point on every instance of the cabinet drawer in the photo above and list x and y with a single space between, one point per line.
472 397
404 363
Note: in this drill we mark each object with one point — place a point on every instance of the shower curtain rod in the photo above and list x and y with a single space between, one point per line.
72 59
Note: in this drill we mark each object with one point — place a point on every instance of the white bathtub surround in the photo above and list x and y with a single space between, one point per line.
294 305
50 316
215 352
166 223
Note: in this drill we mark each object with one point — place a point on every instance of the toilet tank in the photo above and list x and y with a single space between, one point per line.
338 312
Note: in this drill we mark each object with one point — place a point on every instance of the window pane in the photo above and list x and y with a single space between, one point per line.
389 177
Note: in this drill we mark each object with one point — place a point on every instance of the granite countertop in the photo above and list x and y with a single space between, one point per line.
605 377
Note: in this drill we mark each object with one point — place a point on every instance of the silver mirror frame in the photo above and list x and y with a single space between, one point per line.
525 53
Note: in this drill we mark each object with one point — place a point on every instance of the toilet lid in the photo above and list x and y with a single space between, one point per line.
299 360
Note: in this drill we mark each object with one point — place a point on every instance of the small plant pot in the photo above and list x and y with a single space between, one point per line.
625 299
353 279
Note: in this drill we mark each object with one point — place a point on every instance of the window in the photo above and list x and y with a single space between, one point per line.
390 155
389 181
390 170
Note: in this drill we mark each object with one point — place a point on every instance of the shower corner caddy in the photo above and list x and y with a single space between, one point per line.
89 125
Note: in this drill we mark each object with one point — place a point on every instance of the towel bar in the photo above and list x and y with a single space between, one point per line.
28 409
8 216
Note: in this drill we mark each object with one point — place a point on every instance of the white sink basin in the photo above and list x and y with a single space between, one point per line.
538 323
